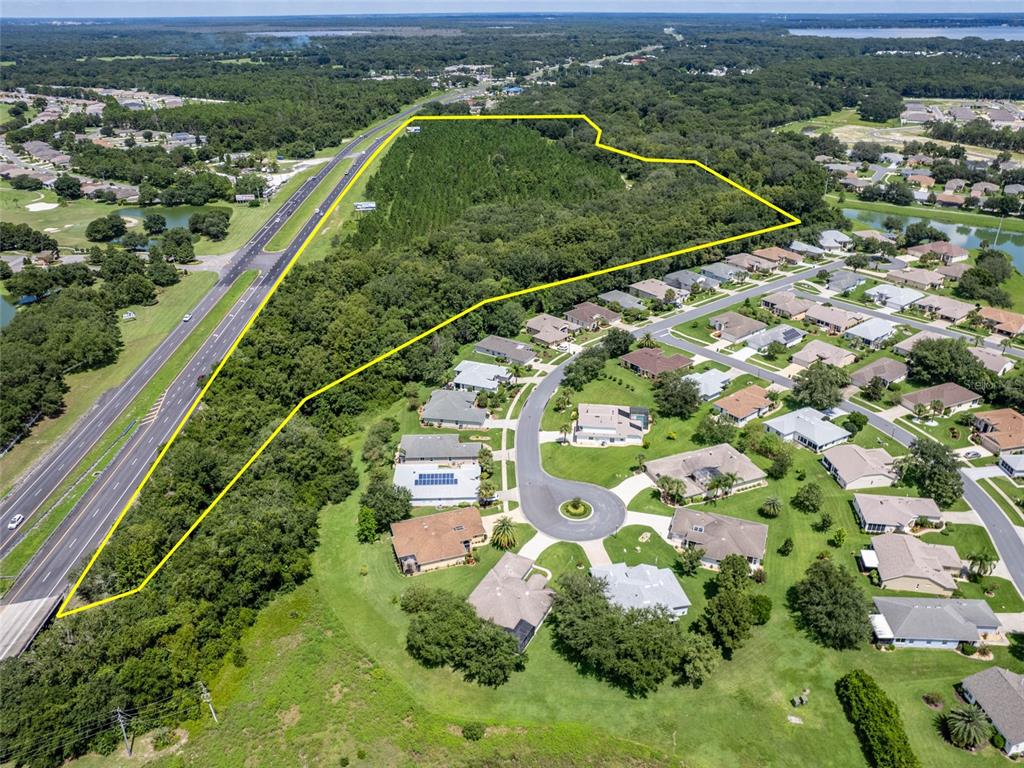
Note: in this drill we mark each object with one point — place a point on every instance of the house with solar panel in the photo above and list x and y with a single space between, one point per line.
786 335
439 485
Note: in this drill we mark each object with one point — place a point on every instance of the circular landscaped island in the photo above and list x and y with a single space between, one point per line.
576 509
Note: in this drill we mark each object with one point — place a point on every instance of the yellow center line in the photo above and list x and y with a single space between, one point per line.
790 222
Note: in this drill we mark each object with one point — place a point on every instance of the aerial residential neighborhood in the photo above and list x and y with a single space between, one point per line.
597 387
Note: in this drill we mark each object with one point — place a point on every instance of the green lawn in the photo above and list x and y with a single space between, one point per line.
837 119
562 557
966 539
317 199
649 500
141 336
1013 491
946 430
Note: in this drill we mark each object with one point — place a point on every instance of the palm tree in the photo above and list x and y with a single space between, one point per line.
771 507
503 536
641 459
983 562
565 429
721 485
647 341
967 726
938 407
921 411
671 488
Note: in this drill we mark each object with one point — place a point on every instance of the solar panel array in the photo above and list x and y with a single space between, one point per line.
436 478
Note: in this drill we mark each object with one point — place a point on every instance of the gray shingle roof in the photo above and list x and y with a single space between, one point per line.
940 619
1000 693
452 405
436 448
642 586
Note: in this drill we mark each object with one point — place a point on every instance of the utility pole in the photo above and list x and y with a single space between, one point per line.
122 720
205 695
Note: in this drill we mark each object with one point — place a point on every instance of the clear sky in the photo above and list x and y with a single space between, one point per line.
136 8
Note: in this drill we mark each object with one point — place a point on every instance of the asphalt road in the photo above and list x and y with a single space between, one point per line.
83 529
540 494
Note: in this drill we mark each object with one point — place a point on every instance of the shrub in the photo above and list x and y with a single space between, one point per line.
760 609
933 699
473 731
877 721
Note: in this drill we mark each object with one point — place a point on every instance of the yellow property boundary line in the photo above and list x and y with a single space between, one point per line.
790 222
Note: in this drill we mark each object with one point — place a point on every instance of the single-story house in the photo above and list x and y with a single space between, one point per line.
480 377
854 182
1013 190
915 277
808 427
906 563
955 185
888 514
445 449
983 189
844 282
786 304
774 253
623 299
1000 694
711 382
1000 430
718 535
513 596
834 240
874 236
817 350
953 271
921 180
1002 321
806 249
832 319
954 398
548 329
786 335
506 349
732 326
1012 464
884 368
651 362
657 290
950 200
610 424
751 263
589 316
854 467
744 405
642 586
893 297
686 280
873 332
451 408
944 251
998 363
944 308
721 272
437 541
439 484
696 469
905 347
932 622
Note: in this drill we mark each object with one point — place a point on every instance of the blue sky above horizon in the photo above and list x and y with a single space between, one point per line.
84 9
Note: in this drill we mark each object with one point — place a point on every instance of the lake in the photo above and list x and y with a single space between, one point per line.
176 217
954 33
1011 243
7 312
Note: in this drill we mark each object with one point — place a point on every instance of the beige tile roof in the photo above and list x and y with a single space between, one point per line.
1007 322
903 556
745 402
949 394
721 535
817 349
696 468
834 316
851 462
506 596
894 510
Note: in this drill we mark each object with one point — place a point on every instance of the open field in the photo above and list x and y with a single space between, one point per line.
148 395
837 119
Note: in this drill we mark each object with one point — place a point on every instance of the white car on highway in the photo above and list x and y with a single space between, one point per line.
15 522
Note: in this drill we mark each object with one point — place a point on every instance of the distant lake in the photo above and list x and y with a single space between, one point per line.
1010 243
7 312
954 33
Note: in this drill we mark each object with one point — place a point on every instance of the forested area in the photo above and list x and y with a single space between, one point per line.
72 327
980 133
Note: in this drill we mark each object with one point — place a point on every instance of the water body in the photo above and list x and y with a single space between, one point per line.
176 217
953 33
1011 243
7 312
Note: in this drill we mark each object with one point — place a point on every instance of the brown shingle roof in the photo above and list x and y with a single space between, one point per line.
653 361
949 394
745 402
437 537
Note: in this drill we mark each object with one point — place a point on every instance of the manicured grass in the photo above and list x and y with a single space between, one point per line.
141 336
578 510
836 119
625 547
966 539
649 500
943 431
869 437
697 330
1004 597
967 218
563 557
994 485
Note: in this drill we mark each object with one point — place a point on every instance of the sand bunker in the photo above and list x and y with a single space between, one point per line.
35 207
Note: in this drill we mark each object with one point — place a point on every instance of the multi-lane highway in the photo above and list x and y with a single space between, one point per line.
80 533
